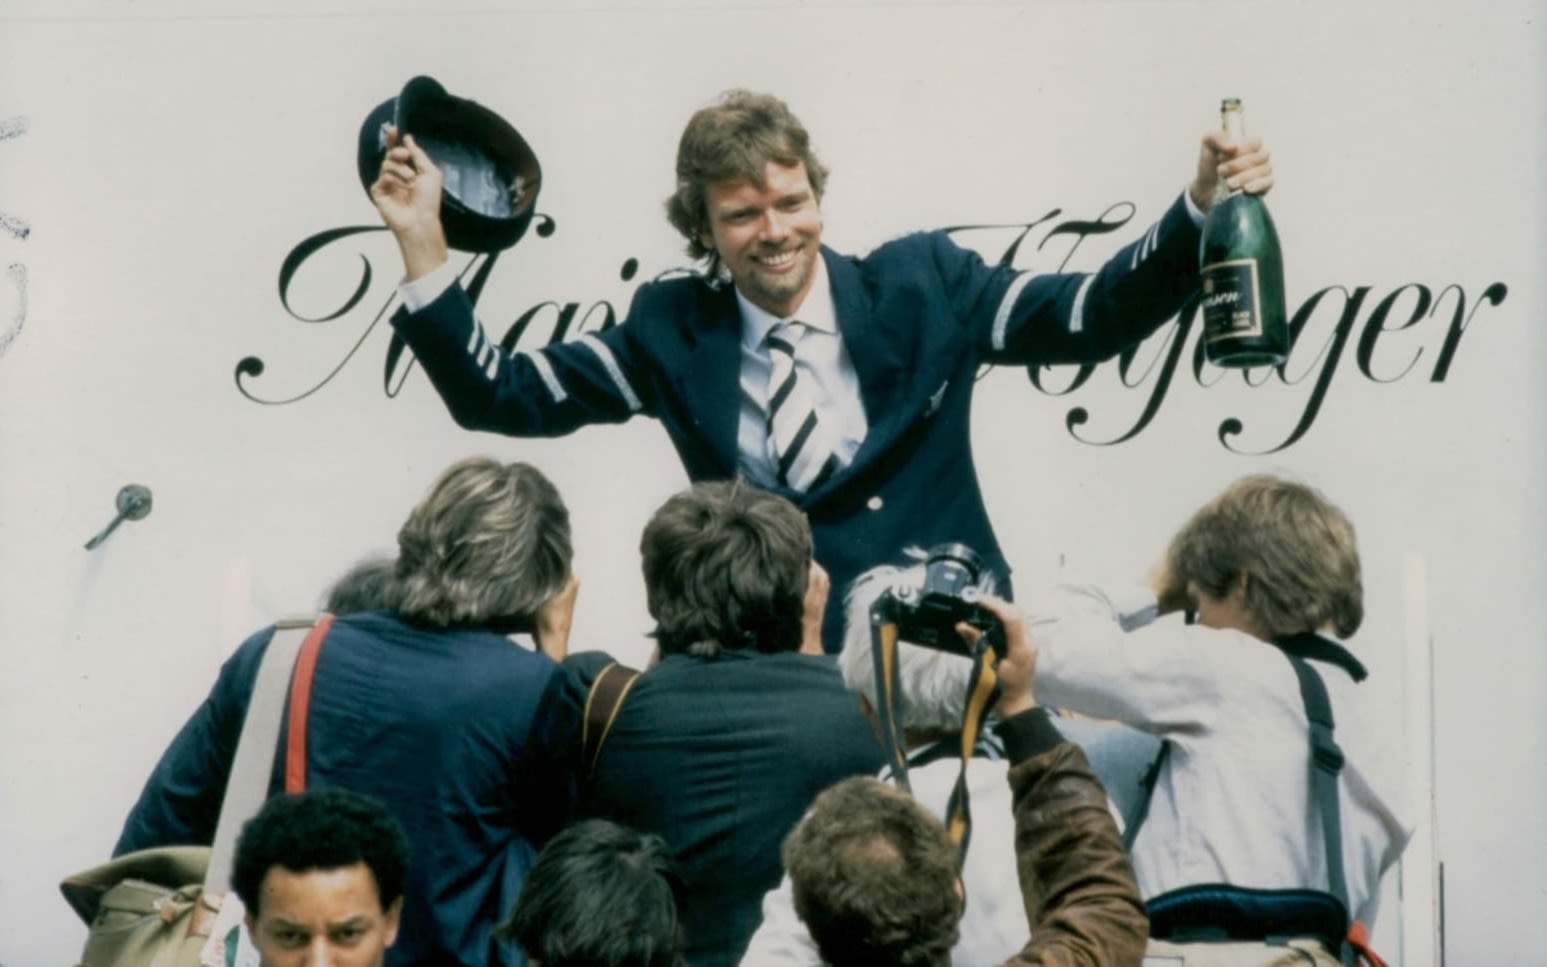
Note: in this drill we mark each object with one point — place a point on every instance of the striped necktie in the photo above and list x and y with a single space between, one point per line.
798 443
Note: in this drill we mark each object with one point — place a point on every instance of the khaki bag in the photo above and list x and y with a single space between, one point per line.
155 907
144 908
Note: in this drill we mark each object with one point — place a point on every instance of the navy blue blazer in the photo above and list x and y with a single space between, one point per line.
721 757
465 737
919 316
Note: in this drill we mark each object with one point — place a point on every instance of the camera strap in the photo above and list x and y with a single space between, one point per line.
982 692
883 653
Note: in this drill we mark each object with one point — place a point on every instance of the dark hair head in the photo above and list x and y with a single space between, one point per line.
321 830
733 139
599 895
368 586
489 542
1296 551
874 878
726 566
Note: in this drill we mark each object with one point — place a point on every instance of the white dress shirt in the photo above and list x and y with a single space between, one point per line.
823 360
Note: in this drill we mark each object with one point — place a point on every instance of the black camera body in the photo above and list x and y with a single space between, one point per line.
928 615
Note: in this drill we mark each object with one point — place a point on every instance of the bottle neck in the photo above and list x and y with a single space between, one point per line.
1233 123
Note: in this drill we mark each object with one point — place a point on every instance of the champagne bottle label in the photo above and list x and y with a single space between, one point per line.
1231 300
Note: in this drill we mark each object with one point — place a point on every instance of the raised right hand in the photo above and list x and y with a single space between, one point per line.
1017 669
407 194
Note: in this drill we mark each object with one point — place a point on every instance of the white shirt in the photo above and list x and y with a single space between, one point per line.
823 360
993 926
420 292
1232 803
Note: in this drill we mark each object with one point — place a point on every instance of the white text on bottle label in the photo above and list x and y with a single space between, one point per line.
1230 300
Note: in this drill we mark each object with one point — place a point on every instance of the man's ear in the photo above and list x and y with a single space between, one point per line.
1238 586
394 915
818 586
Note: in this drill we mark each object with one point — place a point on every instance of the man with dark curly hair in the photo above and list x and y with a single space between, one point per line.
721 745
843 383
600 895
321 875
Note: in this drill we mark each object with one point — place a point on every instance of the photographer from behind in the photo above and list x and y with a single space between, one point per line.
925 601
877 878
721 746
1269 566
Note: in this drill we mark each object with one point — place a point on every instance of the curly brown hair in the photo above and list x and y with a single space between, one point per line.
726 567
874 878
733 139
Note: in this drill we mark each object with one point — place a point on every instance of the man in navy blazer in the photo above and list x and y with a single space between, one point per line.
721 745
879 353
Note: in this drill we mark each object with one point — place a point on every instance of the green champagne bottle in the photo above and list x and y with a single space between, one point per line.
1242 274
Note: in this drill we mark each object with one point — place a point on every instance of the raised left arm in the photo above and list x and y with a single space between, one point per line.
1044 318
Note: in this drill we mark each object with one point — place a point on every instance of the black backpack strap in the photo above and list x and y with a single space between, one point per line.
1326 763
1147 792
602 703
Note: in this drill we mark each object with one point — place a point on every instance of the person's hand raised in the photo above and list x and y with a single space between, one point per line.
407 194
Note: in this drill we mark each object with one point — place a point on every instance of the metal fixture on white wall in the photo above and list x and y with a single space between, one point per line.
133 504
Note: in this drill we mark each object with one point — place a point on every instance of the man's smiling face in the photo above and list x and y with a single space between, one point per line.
768 236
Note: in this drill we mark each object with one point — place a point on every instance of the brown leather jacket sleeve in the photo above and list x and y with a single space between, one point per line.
1082 903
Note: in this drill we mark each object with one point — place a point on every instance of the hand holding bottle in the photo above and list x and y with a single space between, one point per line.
1227 163
1241 267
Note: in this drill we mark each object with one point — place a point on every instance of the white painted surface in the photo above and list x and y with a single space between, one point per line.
177 153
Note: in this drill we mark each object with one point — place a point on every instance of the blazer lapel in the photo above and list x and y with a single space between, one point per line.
875 354
874 363
709 383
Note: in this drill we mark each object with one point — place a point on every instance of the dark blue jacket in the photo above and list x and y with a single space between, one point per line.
919 317
721 757
463 735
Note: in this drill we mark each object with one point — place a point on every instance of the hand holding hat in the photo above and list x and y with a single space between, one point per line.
408 193
428 158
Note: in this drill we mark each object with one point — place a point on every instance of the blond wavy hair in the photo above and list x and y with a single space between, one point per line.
1297 552
490 542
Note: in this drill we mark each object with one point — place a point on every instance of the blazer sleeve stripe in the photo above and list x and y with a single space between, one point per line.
550 378
610 363
1006 306
1144 248
1077 314
485 355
